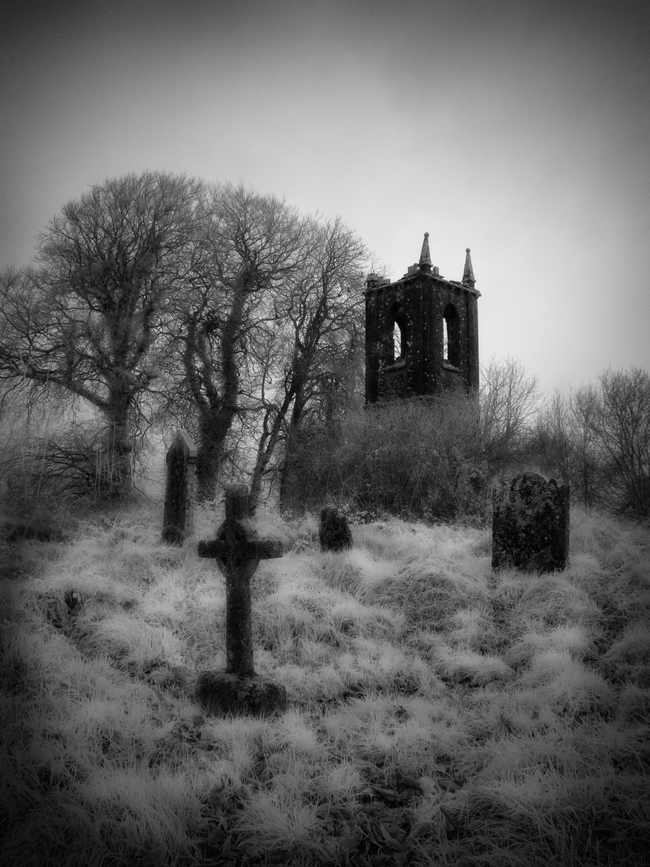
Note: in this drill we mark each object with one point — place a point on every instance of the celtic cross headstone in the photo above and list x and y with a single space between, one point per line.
238 550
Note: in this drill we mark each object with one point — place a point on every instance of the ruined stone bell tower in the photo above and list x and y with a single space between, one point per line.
421 332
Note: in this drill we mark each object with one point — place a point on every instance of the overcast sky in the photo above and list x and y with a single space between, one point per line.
519 128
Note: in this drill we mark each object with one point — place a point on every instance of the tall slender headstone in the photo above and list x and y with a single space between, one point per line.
179 490
530 524
238 550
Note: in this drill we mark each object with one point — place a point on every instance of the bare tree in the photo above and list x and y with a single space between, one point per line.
86 318
622 428
508 401
598 439
319 311
591 477
553 442
249 245
565 444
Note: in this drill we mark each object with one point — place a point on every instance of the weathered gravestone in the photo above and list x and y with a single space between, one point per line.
334 533
238 551
530 524
179 490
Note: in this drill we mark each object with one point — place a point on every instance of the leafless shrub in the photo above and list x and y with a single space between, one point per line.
420 459
597 439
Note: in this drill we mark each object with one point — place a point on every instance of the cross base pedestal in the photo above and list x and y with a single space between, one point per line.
221 693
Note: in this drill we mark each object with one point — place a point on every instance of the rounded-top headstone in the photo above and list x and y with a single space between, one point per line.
334 533
530 524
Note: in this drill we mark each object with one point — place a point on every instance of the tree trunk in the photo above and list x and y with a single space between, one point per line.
289 470
213 431
207 468
267 445
114 468
218 410
289 474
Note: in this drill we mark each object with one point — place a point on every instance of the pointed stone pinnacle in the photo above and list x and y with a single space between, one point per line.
468 273
425 255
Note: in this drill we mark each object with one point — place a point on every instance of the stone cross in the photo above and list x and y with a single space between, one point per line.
238 550
179 490
530 524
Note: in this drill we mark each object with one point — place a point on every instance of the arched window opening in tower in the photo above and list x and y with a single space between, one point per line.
397 342
451 335
399 335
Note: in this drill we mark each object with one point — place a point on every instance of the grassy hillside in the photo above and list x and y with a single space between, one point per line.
440 714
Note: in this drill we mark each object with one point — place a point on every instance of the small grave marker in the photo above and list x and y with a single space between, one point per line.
530 524
179 490
238 550
334 533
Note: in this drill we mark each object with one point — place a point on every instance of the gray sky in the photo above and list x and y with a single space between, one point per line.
519 128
